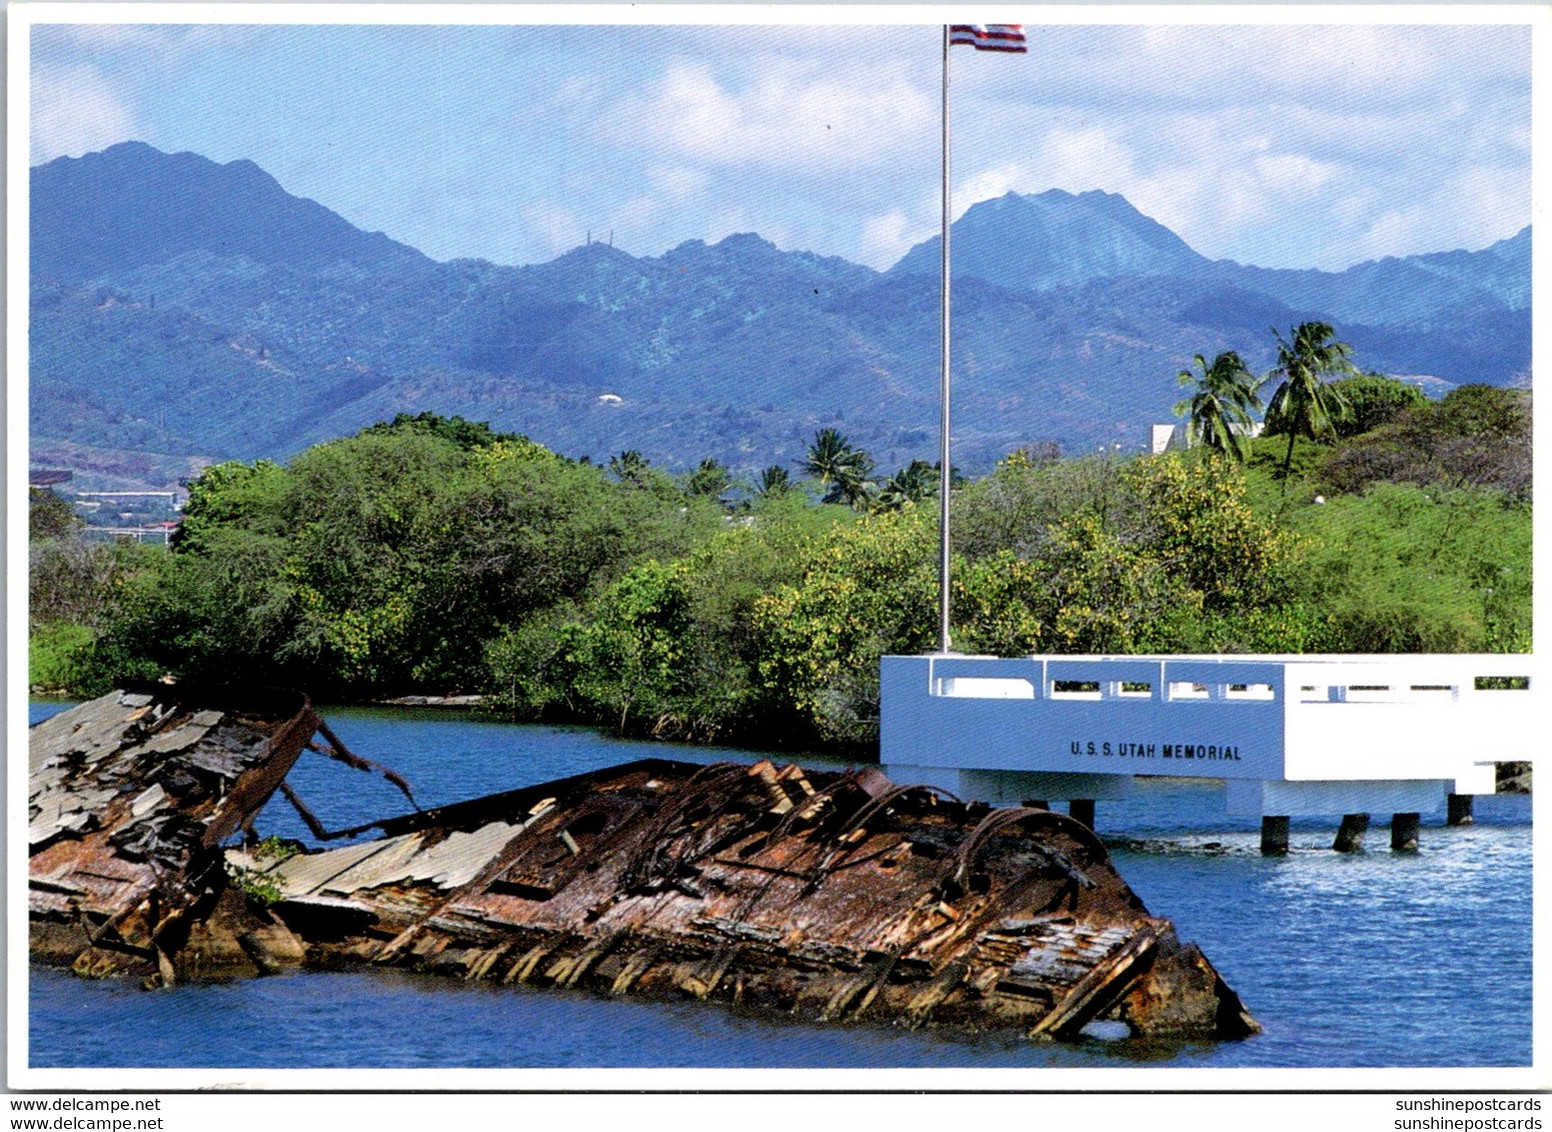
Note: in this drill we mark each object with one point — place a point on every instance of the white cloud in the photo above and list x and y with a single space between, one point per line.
84 77
1269 144
1500 206
678 181
788 116
732 218
76 110
1078 159
552 227
1282 145
1292 172
989 184
165 43
575 94
634 221
1327 66
1283 186
1397 228
888 236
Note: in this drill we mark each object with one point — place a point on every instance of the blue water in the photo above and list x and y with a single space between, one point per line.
1370 959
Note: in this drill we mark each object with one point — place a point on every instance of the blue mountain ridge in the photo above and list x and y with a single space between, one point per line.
258 323
1058 239
1055 239
132 205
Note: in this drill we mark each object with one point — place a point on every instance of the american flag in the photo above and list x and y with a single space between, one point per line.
989 37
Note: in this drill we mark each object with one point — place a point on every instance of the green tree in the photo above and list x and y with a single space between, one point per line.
1475 435
49 515
711 478
390 559
1304 403
571 658
630 660
1373 399
840 469
1020 503
463 433
913 483
229 610
74 589
1161 554
629 466
1041 454
1401 568
1193 520
233 494
1221 408
866 589
774 480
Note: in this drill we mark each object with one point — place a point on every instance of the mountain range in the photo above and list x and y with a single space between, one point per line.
184 311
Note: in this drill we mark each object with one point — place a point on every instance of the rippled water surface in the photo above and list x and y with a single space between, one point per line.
1370 959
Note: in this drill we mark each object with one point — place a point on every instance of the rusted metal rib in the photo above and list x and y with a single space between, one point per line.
848 836
999 821
338 751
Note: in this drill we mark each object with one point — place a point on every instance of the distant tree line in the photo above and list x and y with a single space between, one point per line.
1476 434
435 555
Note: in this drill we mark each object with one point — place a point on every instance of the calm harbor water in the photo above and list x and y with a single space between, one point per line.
1371 959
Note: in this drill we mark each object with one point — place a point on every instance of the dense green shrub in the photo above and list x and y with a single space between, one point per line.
1476 435
1373 400
389 559
1405 569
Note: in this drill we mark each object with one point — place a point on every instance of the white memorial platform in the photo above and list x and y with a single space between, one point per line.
1289 735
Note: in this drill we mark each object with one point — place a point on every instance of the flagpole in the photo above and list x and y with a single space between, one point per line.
944 467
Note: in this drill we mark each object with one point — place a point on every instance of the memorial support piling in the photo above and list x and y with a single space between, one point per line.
1274 836
1349 837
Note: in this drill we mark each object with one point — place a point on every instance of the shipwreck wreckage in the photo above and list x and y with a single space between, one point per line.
834 896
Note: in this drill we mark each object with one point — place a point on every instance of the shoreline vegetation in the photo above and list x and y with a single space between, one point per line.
431 557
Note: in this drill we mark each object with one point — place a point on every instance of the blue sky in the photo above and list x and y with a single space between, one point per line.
1284 146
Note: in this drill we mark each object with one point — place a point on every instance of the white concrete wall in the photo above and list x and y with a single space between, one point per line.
1405 718
1292 719
991 714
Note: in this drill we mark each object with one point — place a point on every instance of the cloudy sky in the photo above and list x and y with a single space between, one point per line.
1283 146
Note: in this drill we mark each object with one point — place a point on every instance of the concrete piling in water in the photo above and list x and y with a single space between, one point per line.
1403 832
1082 809
1274 836
1349 837
1460 806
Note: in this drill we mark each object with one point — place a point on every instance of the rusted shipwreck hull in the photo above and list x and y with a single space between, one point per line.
130 800
835 896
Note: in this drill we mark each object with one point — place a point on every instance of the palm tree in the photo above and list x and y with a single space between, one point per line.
773 481
711 478
827 456
855 487
841 470
1222 407
913 483
1304 404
